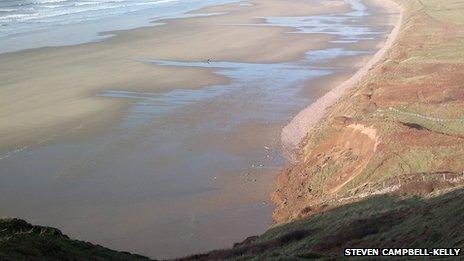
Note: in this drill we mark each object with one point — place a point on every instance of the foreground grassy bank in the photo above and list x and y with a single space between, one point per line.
382 221
20 240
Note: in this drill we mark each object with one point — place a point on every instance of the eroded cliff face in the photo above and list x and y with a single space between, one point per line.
343 156
399 130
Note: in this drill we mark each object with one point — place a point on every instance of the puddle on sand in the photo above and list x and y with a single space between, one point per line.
270 86
348 27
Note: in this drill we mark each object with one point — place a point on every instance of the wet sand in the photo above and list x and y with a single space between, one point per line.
55 88
138 144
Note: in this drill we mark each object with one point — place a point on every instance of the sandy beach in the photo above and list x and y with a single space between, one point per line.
139 144
54 92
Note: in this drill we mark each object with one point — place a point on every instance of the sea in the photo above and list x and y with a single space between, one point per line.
29 24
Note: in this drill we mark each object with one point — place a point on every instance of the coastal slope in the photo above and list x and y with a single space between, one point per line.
384 221
399 129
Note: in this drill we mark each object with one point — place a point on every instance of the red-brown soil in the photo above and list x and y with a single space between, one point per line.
401 128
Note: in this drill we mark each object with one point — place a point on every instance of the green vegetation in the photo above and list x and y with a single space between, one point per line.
437 124
445 10
381 221
415 99
322 174
20 240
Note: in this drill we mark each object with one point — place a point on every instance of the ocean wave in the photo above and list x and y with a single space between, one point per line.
49 1
8 10
23 16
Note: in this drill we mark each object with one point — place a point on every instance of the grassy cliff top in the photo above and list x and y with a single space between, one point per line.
20 240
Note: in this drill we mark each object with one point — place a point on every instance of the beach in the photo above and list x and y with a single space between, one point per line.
165 140
80 72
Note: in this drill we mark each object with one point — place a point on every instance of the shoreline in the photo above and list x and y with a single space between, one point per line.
294 132
95 30
72 76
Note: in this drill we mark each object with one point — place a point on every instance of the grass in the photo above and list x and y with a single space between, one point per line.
421 79
411 161
449 11
381 221
440 54
428 118
20 240
322 176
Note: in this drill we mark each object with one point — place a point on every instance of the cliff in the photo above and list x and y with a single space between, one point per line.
398 130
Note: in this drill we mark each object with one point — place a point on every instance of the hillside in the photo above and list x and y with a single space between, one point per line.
387 221
400 129
20 240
